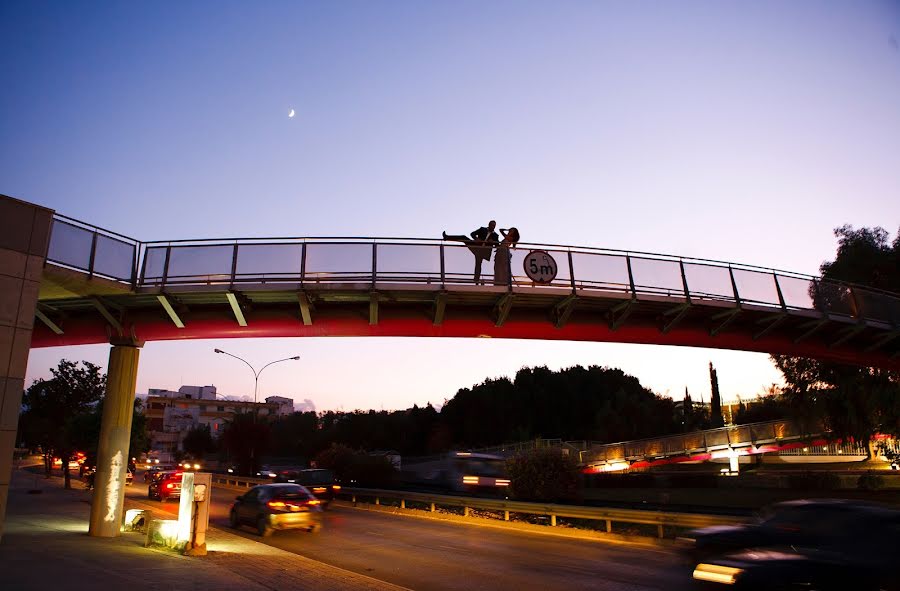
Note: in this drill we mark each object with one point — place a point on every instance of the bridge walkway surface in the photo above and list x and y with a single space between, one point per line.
46 545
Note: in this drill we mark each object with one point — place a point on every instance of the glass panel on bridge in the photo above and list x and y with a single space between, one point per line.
70 245
709 282
517 264
459 265
114 258
879 306
797 292
409 263
269 262
338 261
836 298
756 288
154 264
600 271
657 277
200 264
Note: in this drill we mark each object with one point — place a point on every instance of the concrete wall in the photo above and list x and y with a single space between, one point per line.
24 236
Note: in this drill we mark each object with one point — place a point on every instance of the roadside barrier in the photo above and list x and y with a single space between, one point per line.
607 516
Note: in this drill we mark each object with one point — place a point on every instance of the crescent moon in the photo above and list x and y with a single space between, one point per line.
291 114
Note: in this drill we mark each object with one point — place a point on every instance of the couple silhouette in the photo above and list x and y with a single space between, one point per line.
482 243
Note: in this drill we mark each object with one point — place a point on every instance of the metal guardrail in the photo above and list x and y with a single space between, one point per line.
660 519
607 515
311 261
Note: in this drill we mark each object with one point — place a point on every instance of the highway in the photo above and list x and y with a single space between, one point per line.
434 555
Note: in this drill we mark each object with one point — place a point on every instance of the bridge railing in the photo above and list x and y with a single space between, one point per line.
580 270
93 250
709 439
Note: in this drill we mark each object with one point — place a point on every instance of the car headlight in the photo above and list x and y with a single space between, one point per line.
715 573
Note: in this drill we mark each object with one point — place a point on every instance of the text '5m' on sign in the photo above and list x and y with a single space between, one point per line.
540 267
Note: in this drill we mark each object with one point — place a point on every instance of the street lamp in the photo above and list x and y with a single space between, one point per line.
255 388
256 373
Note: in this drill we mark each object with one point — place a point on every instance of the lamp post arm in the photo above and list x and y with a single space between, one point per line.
276 361
255 373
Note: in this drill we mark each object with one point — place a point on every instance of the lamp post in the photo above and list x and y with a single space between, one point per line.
256 373
255 389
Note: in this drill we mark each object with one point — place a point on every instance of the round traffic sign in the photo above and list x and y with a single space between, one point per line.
540 266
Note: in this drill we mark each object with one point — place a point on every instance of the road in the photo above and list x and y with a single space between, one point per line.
434 555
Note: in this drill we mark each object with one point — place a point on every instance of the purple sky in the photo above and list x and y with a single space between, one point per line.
732 131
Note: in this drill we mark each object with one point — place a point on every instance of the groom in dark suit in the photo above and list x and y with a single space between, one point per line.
482 245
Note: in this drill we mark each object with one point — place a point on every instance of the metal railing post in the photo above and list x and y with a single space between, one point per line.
443 271
93 255
165 275
303 263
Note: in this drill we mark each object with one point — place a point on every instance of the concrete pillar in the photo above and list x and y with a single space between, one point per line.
115 435
24 236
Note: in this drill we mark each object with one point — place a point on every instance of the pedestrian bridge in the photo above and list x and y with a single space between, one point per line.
98 285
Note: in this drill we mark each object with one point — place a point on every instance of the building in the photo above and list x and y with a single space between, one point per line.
170 415
188 392
285 405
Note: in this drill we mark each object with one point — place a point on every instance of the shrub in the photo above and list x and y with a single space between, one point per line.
356 468
544 475
814 481
870 481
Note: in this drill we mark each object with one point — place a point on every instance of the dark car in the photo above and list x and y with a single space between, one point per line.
164 486
320 482
270 507
826 544
808 523
148 474
89 472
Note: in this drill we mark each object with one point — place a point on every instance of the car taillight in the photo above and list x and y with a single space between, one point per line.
282 506
313 502
169 486
336 487
320 489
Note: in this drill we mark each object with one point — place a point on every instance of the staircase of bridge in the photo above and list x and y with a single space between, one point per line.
98 284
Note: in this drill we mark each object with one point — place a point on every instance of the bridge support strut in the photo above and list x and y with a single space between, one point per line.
115 437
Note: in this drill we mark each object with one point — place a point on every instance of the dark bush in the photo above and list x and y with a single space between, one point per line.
353 468
544 475
814 481
870 481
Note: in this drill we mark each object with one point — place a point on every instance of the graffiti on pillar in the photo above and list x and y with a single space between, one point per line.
113 487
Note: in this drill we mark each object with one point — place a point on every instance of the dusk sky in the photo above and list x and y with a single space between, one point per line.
733 131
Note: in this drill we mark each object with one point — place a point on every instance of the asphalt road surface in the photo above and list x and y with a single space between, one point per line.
433 555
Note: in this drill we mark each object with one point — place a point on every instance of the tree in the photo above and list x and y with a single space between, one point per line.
54 409
246 438
715 405
198 442
140 437
850 401
356 468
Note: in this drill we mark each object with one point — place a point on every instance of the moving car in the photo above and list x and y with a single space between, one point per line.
88 473
791 523
817 544
148 474
270 507
164 486
320 482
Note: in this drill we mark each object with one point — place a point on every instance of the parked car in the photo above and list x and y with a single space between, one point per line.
270 507
820 544
320 482
164 486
